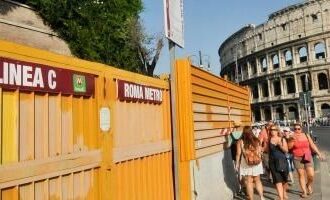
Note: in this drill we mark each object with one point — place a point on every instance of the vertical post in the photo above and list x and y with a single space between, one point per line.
306 103
306 111
173 124
200 59
236 66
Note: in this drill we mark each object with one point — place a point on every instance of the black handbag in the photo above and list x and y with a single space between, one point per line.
281 165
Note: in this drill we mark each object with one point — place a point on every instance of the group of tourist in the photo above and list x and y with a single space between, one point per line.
276 152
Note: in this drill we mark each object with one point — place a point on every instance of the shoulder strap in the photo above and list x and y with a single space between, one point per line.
309 142
232 137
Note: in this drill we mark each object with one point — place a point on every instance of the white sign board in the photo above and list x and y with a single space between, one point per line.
105 119
173 18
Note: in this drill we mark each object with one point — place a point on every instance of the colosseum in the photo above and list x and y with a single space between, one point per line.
283 59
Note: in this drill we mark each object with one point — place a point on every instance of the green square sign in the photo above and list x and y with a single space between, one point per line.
79 83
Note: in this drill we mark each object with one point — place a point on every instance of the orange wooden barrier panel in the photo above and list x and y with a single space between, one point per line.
207 107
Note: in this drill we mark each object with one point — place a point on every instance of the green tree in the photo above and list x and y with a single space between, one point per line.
107 31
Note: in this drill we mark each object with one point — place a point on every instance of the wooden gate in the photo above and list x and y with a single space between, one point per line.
49 141
51 144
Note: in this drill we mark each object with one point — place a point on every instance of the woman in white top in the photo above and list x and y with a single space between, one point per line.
251 173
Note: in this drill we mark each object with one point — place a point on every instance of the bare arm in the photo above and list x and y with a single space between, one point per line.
314 147
290 143
265 146
238 153
283 146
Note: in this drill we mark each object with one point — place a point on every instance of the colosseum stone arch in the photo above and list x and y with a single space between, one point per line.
278 59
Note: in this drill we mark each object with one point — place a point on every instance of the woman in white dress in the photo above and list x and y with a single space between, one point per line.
250 171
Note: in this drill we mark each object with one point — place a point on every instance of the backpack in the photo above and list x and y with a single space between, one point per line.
252 155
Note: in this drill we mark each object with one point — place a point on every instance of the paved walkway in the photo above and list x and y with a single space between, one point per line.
321 184
293 191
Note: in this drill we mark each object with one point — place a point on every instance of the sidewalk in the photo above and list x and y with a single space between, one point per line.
325 179
294 190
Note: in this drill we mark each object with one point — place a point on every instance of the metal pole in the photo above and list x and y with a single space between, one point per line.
200 59
236 66
306 111
306 103
175 148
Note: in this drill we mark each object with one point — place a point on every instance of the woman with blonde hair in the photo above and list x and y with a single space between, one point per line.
248 162
277 148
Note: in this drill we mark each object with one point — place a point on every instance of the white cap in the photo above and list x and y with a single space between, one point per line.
286 129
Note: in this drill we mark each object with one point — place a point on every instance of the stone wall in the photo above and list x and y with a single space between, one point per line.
19 23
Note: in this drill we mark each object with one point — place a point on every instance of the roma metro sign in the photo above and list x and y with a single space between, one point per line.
27 76
129 91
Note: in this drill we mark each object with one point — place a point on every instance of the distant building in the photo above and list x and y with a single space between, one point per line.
288 54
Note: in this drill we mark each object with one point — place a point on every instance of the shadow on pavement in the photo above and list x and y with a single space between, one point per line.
293 191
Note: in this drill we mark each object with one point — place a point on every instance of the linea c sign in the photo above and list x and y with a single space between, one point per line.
129 91
27 76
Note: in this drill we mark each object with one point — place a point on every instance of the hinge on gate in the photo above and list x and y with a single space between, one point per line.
104 87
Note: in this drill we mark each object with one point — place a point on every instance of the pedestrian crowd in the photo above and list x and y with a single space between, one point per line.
276 153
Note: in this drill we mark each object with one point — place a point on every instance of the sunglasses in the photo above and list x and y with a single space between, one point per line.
297 129
273 129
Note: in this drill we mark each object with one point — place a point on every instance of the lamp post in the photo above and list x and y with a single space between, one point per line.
236 64
204 57
306 103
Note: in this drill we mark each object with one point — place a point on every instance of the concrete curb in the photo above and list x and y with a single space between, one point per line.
325 180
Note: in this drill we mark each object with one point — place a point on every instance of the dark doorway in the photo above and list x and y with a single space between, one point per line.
253 67
277 87
290 85
293 113
268 114
279 113
323 81
325 109
255 92
265 92
257 115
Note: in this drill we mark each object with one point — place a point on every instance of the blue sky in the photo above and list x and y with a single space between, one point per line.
207 24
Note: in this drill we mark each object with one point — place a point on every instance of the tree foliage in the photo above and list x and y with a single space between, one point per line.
107 31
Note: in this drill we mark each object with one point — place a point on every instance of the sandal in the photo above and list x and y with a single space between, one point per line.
303 195
309 190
